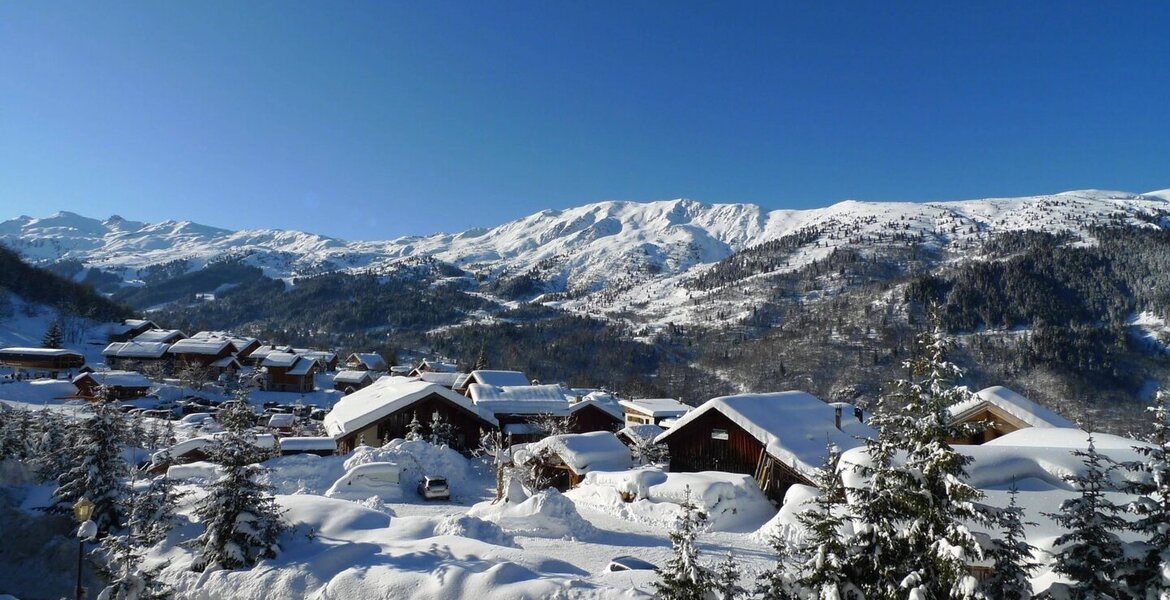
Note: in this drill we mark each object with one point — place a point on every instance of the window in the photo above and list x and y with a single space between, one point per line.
719 434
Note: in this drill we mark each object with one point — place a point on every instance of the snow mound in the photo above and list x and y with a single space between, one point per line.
732 502
415 459
302 473
475 528
329 517
546 514
784 523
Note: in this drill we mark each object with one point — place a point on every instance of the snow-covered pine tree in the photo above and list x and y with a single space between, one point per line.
683 577
119 562
414 428
442 432
51 453
725 579
54 337
152 515
942 503
99 472
1090 553
824 574
241 518
481 362
1151 573
777 583
16 429
1013 555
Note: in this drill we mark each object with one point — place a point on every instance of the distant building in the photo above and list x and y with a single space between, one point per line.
125 355
35 362
129 329
351 381
286 372
366 361
653 411
120 385
1003 411
164 336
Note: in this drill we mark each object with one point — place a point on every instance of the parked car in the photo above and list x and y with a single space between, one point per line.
629 563
379 479
434 488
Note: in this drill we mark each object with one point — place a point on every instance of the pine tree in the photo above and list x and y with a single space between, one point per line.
153 516
726 579
481 362
52 448
825 574
776 583
1090 552
99 472
54 338
683 577
16 432
1012 555
414 428
911 519
442 432
1152 507
119 562
241 518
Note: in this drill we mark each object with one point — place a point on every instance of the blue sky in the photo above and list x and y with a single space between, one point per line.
371 120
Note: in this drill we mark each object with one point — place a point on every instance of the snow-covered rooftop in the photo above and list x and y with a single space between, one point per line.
642 433
438 366
521 399
209 346
371 360
125 379
602 400
279 359
46 352
308 443
282 420
657 407
447 380
159 335
352 376
136 349
386 396
585 452
303 366
1013 404
225 362
794 427
500 378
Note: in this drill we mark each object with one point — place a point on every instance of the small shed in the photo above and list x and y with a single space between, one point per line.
779 438
595 411
120 385
653 411
563 460
320 446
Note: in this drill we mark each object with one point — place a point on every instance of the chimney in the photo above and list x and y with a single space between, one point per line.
837 416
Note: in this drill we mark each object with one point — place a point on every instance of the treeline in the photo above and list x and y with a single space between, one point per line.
34 284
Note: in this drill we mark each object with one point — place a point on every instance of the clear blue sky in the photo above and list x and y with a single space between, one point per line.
370 120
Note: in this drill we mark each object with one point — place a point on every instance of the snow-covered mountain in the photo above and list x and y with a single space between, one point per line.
600 258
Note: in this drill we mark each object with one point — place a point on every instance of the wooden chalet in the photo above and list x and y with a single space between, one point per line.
490 377
328 360
366 361
200 352
595 411
1001 411
516 407
779 438
242 347
129 329
286 372
385 409
40 361
349 382
119 385
257 356
134 355
653 411
434 366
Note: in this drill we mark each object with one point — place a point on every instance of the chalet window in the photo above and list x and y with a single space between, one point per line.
719 434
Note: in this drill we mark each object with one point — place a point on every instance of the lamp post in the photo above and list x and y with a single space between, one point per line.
82 511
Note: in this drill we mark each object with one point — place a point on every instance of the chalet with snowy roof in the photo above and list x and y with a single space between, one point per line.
282 423
653 411
491 377
515 407
385 409
328 360
200 352
636 435
40 361
285 372
119 385
129 329
1003 411
366 361
563 460
257 356
349 382
779 438
163 336
434 366
202 448
242 347
594 410
123 355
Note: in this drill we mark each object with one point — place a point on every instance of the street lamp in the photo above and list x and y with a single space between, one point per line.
82 511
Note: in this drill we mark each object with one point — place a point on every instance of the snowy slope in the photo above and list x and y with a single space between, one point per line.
608 257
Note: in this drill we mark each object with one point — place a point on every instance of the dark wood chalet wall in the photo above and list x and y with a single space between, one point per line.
692 448
592 418
397 425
